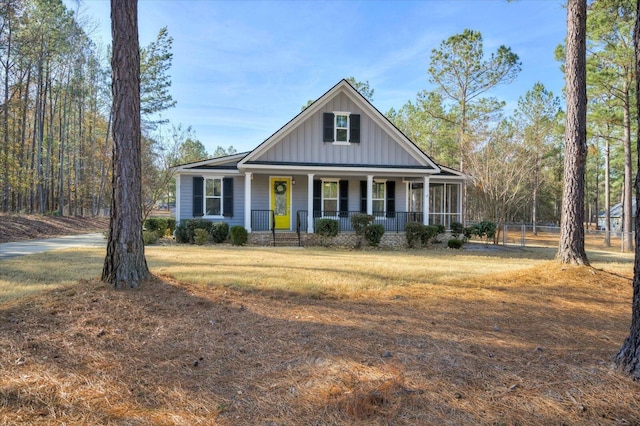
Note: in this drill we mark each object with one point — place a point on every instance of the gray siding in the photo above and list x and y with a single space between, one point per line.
186 200
304 143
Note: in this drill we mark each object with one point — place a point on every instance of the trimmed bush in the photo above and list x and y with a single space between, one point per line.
327 227
430 234
374 233
239 236
413 231
200 236
181 233
455 243
219 231
457 229
185 232
149 237
156 224
360 221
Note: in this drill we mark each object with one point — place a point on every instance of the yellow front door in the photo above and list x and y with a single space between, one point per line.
281 201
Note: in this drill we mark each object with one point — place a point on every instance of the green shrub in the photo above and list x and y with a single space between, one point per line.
149 237
219 231
413 231
468 233
200 236
485 230
455 243
239 236
156 224
181 233
430 234
185 232
327 227
360 221
456 229
374 233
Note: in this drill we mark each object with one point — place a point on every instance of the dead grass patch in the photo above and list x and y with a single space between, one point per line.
527 343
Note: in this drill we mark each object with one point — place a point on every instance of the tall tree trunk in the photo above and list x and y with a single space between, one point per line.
628 358
5 123
607 196
125 264
571 248
627 230
534 209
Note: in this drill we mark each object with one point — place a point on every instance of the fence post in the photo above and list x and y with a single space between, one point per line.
504 235
523 237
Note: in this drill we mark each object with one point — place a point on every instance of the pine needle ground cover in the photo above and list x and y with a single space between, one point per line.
236 336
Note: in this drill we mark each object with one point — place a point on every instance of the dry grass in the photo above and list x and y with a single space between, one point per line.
495 337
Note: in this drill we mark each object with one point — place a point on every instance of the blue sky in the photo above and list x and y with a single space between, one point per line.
242 69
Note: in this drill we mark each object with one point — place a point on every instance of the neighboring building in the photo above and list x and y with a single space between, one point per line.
616 217
338 157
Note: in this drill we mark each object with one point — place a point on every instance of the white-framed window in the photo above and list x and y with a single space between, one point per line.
378 197
330 197
213 197
341 126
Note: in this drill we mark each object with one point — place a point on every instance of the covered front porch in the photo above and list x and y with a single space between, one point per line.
293 203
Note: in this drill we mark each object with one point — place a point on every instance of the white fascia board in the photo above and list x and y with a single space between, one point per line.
210 161
336 169
205 172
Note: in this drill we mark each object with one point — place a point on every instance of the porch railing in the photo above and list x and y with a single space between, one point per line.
392 222
264 220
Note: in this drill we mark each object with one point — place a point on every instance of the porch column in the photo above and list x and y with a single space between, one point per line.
310 203
370 194
248 176
178 212
425 201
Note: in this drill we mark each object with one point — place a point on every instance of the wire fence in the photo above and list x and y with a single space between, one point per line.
549 236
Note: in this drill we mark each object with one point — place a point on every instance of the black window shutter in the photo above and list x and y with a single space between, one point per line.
227 196
391 198
327 125
354 128
198 184
317 198
344 198
363 196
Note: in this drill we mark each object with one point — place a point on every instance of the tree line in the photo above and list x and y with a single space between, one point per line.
56 116
56 145
515 158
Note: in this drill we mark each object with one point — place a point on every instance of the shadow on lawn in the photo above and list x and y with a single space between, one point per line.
172 352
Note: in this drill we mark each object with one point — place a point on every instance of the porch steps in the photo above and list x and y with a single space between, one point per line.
285 239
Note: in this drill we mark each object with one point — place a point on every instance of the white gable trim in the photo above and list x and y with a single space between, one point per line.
218 161
346 88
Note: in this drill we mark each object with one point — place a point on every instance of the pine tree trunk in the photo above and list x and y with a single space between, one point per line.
627 230
628 358
571 248
125 264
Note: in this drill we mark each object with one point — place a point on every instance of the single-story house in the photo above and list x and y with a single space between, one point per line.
337 157
616 214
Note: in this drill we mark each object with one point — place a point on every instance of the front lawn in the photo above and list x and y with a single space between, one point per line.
315 336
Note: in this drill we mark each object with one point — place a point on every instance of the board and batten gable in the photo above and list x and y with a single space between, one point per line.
304 143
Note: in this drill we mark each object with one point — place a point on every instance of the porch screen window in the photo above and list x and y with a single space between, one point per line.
330 197
213 197
378 197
